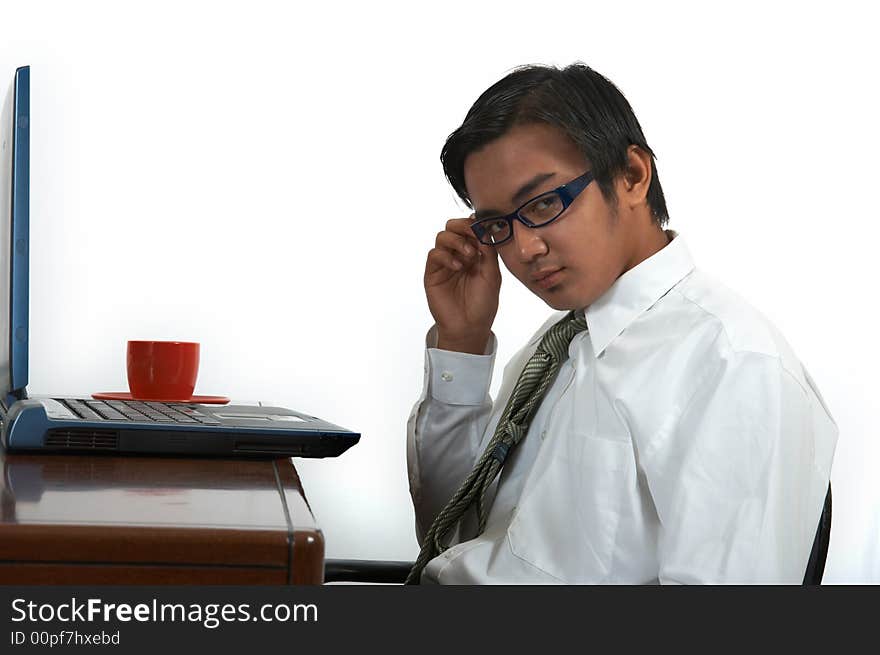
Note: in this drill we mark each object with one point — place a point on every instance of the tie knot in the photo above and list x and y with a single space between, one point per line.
559 336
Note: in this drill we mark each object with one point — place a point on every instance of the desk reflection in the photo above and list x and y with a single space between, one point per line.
140 490
118 520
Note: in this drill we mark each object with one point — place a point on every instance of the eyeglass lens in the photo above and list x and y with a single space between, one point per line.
539 211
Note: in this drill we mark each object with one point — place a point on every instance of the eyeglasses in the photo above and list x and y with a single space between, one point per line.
537 212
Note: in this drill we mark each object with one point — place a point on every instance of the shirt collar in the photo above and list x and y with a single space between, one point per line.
636 291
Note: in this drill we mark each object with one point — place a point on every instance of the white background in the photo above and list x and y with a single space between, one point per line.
264 178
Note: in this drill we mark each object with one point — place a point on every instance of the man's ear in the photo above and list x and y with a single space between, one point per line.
636 178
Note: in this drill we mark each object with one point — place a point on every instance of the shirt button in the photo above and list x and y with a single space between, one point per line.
446 376
543 434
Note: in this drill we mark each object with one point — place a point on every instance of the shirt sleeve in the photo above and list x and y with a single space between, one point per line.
446 426
739 482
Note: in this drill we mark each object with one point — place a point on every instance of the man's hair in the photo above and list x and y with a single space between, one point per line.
586 106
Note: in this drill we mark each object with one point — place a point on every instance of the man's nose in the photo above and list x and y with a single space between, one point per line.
528 242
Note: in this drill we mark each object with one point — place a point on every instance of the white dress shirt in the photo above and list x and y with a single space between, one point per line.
681 442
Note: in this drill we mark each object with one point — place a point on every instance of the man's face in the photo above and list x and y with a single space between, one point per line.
573 260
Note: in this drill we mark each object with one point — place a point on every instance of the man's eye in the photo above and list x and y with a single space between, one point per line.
494 227
542 209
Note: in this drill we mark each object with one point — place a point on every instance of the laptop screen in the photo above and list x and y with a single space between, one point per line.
14 227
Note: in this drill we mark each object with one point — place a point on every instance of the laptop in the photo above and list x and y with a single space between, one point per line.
85 425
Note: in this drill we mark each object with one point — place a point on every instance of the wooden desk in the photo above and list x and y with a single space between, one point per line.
155 520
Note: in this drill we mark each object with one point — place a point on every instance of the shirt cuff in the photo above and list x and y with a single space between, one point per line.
458 378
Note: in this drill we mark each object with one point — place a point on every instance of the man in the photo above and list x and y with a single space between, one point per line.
673 437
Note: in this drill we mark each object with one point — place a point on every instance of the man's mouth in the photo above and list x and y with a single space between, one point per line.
548 277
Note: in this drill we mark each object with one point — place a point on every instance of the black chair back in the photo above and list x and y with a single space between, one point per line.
816 565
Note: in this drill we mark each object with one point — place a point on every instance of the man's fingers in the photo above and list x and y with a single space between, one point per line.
441 263
489 256
462 226
456 250
463 247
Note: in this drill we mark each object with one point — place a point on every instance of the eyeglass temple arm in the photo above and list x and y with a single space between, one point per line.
569 191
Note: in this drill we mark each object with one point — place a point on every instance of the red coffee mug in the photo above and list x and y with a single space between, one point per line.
162 370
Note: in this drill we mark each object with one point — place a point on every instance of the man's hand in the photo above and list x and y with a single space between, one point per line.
462 283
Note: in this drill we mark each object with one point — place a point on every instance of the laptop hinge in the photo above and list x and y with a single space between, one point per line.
12 396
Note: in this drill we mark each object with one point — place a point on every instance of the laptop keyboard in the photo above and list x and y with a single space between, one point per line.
134 410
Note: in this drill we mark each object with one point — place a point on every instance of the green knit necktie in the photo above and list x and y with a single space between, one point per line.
513 425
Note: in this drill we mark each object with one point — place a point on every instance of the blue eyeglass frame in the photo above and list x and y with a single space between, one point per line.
567 194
